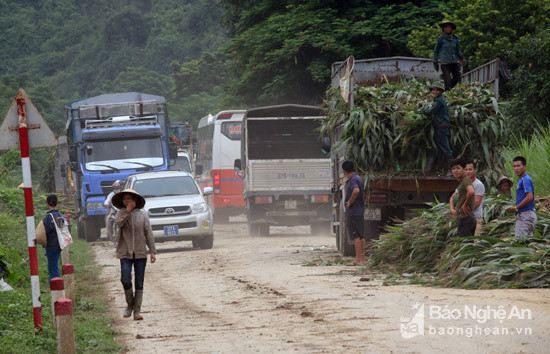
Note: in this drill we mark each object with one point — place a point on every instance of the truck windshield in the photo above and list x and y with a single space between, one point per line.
284 139
121 154
165 186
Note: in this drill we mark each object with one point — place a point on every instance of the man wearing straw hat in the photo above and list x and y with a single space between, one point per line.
447 54
135 236
442 126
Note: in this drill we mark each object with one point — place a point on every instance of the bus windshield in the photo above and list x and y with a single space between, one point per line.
123 154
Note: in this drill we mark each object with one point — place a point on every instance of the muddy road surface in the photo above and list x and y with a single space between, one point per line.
257 295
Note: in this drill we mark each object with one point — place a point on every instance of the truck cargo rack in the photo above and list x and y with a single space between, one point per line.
104 111
113 122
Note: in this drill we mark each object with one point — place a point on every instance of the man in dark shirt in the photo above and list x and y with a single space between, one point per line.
355 211
442 124
466 222
53 250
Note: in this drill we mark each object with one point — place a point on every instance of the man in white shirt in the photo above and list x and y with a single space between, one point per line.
108 205
470 170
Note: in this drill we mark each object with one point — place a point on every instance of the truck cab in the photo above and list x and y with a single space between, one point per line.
110 137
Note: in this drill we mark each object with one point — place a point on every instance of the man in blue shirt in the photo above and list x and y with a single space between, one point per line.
526 218
355 211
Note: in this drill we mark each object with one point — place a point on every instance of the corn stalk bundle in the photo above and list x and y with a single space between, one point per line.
387 131
428 245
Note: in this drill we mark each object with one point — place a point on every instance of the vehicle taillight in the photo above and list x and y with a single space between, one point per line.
264 199
217 182
378 198
319 198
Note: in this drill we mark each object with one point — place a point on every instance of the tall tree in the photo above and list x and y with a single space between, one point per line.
281 51
486 28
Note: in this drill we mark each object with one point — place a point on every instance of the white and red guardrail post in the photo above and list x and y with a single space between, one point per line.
29 208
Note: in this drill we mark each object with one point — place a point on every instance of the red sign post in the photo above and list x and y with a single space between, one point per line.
22 118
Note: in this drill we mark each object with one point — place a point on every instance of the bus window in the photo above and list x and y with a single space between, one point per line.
232 130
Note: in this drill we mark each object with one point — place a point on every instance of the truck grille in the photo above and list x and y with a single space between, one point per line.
169 211
183 225
107 187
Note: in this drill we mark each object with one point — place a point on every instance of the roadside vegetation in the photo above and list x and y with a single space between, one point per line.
91 316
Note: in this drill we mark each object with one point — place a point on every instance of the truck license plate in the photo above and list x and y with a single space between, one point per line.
290 204
171 230
373 214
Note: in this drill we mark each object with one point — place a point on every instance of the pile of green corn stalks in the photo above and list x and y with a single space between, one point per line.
428 248
387 131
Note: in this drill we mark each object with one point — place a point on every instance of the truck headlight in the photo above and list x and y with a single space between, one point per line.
94 205
199 208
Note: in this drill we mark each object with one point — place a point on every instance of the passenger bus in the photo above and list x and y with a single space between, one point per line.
219 145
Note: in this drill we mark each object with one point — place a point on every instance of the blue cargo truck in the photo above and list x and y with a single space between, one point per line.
110 137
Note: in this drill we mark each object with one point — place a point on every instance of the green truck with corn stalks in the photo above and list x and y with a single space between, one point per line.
374 117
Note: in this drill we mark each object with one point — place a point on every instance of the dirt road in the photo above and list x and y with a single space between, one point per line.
254 294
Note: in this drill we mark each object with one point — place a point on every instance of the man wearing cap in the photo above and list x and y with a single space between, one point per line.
447 54
504 186
135 236
441 123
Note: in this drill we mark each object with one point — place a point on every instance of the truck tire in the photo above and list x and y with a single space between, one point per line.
263 229
81 230
319 228
221 218
204 243
346 247
93 230
253 230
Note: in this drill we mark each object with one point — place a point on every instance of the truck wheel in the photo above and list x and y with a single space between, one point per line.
263 229
221 218
205 243
346 247
253 230
319 228
81 230
93 230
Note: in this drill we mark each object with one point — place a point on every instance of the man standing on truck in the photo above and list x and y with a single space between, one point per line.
355 211
479 190
466 222
526 218
441 123
447 53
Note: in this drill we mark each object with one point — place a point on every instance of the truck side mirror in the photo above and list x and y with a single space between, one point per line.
325 144
237 165
173 150
73 155
198 170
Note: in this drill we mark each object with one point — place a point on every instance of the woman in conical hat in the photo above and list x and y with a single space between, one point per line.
136 236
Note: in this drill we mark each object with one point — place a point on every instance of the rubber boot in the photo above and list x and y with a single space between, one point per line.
137 305
429 165
130 301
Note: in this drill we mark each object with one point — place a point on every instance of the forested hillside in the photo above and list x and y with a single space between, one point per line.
60 50
208 55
